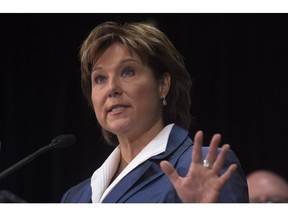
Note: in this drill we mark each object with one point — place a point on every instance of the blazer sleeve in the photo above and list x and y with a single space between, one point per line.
81 193
236 189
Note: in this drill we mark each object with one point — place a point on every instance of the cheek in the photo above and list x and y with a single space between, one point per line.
147 95
97 103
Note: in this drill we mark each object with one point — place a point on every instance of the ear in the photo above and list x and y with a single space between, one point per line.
164 85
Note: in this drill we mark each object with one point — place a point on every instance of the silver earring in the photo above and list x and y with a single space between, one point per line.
164 102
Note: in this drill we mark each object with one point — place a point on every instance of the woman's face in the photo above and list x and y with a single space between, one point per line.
125 94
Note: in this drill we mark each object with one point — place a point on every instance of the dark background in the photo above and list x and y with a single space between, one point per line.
239 64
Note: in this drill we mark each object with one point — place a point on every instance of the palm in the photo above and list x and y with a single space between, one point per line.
201 184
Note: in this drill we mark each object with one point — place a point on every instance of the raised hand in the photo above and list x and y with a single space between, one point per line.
203 182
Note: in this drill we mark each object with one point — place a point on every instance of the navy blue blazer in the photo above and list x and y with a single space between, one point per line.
148 184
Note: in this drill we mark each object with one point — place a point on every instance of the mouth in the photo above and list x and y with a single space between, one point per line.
117 108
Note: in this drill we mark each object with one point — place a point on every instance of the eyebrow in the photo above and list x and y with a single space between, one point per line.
98 69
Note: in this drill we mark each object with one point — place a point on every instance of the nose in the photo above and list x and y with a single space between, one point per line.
114 88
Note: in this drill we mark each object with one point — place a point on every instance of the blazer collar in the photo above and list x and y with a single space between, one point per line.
177 136
126 187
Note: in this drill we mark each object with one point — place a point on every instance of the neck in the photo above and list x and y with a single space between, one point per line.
121 166
130 147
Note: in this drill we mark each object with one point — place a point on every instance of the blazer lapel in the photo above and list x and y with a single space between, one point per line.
177 136
127 183
150 169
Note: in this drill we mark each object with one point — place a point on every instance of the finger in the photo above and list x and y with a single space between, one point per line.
212 153
170 171
229 172
197 147
219 162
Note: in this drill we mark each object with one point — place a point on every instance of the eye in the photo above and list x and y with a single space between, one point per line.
99 79
128 72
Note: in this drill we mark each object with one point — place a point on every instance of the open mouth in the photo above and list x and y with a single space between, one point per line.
117 108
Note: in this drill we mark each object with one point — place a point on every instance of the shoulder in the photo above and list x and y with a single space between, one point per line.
78 193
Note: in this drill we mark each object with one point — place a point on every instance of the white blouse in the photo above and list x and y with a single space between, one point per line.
102 176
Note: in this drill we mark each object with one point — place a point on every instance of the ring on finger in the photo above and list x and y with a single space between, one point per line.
208 164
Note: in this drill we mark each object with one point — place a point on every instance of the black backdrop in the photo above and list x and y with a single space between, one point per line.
238 63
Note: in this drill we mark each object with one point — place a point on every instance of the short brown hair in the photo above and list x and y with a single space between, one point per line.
155 50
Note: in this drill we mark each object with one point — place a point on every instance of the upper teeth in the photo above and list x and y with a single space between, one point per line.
117 108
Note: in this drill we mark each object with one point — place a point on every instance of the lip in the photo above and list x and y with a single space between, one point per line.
114 106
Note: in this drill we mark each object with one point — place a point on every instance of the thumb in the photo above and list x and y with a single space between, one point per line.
170 171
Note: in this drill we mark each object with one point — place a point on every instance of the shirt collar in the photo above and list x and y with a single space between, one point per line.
102 176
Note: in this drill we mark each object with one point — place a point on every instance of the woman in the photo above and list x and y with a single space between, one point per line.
137 84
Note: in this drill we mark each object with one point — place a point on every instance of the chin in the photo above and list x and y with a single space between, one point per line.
120 128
